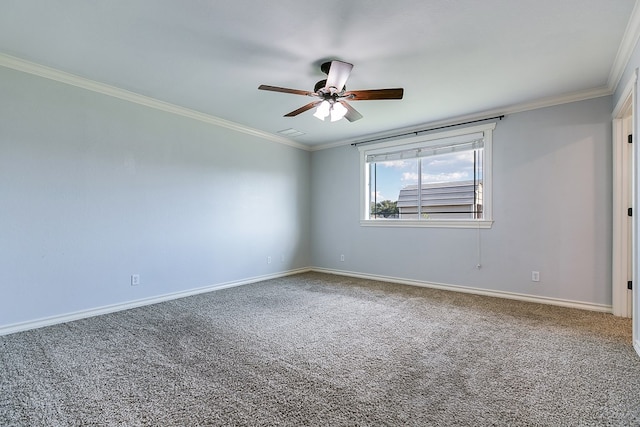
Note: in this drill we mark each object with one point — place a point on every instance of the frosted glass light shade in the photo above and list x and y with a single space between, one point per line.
323 110
338 111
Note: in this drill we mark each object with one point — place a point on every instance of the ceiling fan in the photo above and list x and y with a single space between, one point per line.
332 94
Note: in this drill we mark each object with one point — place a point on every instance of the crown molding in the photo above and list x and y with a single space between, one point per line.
18 64
626 96
32 68
551 101
625 50
516 108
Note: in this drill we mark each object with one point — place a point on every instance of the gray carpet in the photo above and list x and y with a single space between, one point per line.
323 350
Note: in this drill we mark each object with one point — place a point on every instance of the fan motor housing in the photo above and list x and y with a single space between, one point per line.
325 67
321 85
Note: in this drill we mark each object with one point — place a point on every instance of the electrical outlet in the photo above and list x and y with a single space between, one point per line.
268 260
135 279
342 258
535 276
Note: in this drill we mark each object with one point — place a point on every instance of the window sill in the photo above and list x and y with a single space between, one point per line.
452 223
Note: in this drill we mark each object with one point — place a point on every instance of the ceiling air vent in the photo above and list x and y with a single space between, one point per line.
291 133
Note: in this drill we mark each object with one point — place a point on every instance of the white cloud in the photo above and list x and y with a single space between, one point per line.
448 167
445 177
410 177
377 195
397 164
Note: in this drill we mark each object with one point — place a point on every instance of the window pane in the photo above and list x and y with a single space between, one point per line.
387 179
431 180
452 186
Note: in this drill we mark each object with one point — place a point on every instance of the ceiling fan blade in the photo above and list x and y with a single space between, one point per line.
286 90
338 74
303 109
352 115
372 94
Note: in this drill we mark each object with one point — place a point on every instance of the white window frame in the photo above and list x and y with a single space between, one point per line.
424 141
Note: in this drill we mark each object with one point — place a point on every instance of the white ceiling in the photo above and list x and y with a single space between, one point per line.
454 58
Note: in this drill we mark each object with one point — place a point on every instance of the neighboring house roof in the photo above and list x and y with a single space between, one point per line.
440 194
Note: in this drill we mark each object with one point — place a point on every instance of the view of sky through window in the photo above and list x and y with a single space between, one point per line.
392 176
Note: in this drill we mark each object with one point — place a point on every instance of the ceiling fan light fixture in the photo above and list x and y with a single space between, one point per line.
338 111
323 110
332 96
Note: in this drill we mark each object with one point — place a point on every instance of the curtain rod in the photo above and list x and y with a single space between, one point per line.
355 144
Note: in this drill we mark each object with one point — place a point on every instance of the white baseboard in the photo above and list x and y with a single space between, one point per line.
476 291
83 314
636 345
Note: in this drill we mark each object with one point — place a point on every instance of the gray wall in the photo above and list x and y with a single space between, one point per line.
94 189
552 211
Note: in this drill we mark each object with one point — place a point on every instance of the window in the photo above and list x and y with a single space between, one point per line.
434 180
